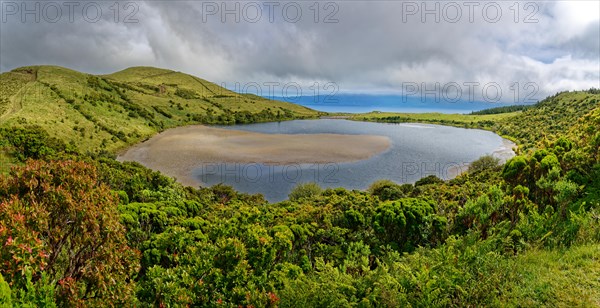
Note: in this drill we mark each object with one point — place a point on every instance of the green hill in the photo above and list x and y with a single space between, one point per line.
530 127
555 116
80 229
108 112
522 234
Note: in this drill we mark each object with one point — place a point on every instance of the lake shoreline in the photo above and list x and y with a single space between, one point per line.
181 151
503 153
197 145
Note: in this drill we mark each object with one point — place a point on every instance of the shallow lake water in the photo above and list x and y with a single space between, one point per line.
416 151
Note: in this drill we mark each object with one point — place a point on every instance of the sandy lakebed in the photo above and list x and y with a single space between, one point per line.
178 151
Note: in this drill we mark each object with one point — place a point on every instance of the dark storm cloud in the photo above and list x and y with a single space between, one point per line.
360 45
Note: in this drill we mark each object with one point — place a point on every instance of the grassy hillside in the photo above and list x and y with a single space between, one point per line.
550 118
111 111
462 120
523 234
85 230
530 127
503 109
556 278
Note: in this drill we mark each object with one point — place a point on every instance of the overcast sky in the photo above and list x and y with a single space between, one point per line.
361 46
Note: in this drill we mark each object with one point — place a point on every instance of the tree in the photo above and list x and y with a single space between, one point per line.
406 223
57 219
565 191
430 179
32 142
305 190
549 162
486 162
516 169
386 190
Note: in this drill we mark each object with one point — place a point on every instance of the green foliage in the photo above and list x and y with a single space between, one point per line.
549 119
516 169
503 109
305 190
56 218
487 162
386 190
38 294
109 112
31 142
407 223
428 180
562 144
549 162
5 293
97 232
185 93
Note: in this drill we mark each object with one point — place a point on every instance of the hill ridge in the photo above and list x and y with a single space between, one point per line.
109 112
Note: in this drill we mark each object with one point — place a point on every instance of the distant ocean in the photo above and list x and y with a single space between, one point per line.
360 103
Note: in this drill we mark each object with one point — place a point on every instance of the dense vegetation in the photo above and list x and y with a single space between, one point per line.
79 228
532 127
503 109
460 120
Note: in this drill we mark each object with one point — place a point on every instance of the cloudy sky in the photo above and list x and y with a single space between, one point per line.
361 46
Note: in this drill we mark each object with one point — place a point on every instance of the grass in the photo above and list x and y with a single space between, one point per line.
567 278
92 114
113 111
171 81
6 161
543 122
10 85
462 120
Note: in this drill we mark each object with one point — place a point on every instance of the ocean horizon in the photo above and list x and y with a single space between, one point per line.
362 103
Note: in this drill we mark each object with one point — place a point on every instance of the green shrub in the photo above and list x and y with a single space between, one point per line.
487 162
386 190
5 293
407 223
516 169
430 179
305 190
32 142
69 228
185 93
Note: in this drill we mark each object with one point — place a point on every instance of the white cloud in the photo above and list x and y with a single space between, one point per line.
370 49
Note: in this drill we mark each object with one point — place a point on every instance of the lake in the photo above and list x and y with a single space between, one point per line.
415 151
